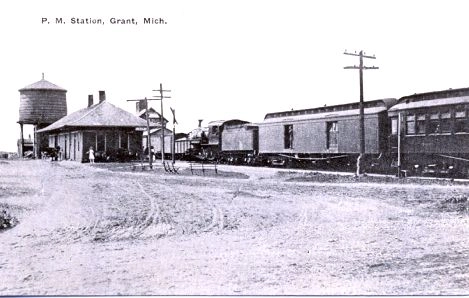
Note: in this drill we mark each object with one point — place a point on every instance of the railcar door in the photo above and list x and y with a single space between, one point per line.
332 136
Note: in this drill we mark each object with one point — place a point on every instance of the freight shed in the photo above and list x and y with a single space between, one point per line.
111 131
325 131
155 137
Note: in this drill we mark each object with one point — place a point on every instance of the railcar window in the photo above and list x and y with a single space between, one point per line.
410 124
445 123
461 123
288 136
394 126
332 132
434 124
420 124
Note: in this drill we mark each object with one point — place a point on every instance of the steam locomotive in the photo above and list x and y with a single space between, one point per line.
425 133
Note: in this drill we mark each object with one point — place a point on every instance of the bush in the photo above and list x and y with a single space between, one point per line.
6 220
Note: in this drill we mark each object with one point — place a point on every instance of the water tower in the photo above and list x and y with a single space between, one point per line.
41 104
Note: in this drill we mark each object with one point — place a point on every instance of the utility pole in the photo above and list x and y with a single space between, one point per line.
150 158
161 97
361 67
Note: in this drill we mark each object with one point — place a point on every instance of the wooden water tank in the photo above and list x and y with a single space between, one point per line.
42 103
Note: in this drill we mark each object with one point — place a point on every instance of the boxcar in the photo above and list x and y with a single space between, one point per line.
329 134
433 131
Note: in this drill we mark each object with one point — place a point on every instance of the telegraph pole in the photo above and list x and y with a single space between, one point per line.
161 97
361 67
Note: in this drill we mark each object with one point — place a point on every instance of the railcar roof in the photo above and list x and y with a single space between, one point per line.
226 122
430 103
432 99
449 93
370 107
247 125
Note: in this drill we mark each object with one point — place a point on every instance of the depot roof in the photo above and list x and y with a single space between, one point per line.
102 114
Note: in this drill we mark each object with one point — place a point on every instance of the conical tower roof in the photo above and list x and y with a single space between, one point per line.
42 85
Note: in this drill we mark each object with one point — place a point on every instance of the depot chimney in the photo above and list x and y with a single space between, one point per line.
90 100
200 122
102 96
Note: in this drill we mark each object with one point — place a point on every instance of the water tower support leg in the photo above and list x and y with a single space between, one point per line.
22 141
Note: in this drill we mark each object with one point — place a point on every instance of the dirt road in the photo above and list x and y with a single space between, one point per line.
102 230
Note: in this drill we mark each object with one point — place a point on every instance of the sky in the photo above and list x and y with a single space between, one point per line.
229 59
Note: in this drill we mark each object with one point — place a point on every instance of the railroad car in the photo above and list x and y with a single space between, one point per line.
426 133
213 146
239 143
182 144
197 137
430 132
327 135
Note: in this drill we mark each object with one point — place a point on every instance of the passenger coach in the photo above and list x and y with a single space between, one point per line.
432 135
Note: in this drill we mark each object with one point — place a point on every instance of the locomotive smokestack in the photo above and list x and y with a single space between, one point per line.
90 100
102 96
200 122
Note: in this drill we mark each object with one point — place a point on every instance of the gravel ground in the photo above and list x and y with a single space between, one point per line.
108 230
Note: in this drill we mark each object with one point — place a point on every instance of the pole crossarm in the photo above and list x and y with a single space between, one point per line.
360 54
363 67
159 97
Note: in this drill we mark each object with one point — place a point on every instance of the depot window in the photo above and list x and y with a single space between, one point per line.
288 136
124 141
100 142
